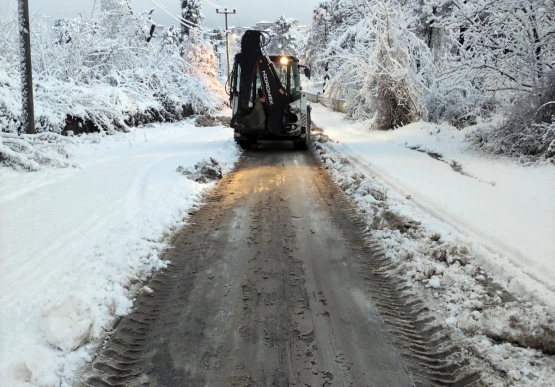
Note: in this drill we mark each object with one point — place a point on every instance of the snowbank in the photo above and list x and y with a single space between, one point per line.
76 243
507 208
470 235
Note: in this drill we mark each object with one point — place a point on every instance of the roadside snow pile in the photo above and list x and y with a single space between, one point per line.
451 273
523 323
203 171
68 326
207 121
76 244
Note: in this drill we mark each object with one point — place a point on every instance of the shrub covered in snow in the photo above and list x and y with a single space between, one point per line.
529 129
103 73
30 151
531 142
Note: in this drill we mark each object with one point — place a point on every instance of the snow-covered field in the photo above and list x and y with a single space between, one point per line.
474 235
75 243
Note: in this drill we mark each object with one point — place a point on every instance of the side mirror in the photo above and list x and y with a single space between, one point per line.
307 72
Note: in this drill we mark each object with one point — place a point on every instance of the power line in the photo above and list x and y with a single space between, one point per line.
239 24
181 20
212 4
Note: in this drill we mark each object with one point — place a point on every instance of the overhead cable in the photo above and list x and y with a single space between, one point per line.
214 5
182 21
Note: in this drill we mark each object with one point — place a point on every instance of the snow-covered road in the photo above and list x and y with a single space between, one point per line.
74 241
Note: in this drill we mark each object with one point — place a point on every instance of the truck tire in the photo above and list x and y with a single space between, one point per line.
245 144
300 145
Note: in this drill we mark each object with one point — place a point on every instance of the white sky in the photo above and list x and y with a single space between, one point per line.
248 11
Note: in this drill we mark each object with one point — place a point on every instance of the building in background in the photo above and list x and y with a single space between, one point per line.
264 25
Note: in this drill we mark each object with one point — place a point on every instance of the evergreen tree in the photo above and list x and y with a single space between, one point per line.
283 25
191 13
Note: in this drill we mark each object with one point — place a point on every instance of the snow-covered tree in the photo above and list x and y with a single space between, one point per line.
171 36
286 38
200 55
103 73
507 44
109 5
319 35
282 25
382 68
191 15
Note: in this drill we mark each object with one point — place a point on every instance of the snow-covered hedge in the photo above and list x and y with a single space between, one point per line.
105 73
528 130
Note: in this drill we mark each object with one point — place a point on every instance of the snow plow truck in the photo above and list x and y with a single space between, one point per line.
266 97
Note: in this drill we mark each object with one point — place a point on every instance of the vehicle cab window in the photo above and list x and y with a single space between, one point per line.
294 80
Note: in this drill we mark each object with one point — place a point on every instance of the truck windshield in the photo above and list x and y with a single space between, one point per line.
282 72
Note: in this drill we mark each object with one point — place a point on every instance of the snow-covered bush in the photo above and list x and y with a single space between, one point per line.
527 129
30 151
102 73
454 100
531 142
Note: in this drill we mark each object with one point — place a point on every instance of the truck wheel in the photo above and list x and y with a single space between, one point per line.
245 144
300 145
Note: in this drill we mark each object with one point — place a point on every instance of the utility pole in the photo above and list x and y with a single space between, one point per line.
226 12
28 116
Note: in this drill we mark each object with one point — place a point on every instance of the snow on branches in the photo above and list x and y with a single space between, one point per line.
104 71
383 70
448 60
192 16
286 37
31 151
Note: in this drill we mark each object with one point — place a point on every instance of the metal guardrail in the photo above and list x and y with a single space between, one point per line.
337 105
